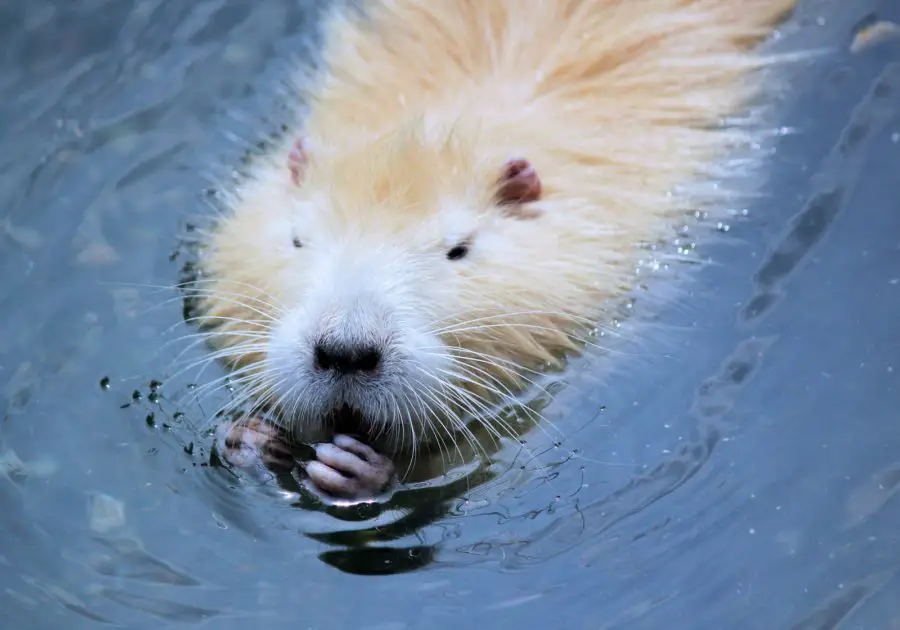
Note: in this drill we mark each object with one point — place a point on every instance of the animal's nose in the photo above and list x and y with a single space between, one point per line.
346 359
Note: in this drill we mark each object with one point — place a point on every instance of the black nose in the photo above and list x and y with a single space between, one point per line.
346 359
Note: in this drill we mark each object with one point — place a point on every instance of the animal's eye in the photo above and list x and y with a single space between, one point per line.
458 252
297 243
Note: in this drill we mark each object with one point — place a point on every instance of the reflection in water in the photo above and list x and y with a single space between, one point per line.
835 180
585 525
379 560
740 472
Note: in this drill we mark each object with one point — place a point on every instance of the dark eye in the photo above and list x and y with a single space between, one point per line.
297 243
458 252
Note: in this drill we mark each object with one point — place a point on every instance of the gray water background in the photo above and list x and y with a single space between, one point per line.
745 478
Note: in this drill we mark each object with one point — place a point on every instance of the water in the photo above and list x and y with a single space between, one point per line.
740 473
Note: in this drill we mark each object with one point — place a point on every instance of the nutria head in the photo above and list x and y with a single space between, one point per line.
395 284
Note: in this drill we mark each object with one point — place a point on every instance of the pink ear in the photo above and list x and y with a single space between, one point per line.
519 184
297 160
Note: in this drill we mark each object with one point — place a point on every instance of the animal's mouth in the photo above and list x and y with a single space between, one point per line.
348 420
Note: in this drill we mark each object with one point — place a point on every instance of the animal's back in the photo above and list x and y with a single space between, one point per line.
616 102
663 61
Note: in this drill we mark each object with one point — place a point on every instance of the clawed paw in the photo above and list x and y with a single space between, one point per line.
347 468
252 443
344 468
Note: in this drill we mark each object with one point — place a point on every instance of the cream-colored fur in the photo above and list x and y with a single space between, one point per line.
616 103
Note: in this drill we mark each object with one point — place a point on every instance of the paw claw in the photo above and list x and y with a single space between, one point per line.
358 448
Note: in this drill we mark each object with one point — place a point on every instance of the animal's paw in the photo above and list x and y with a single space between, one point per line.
250 443
348 469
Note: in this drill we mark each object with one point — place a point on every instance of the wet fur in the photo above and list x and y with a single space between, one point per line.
617 104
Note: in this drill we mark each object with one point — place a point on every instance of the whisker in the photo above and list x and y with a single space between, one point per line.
588 322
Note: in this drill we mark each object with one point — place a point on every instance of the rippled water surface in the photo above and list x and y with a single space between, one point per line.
739 472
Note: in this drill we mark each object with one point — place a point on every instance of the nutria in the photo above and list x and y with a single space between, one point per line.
465 193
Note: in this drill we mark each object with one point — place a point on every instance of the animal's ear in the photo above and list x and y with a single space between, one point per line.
519 185
298 159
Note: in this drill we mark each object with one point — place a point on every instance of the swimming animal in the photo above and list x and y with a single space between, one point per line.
466 191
